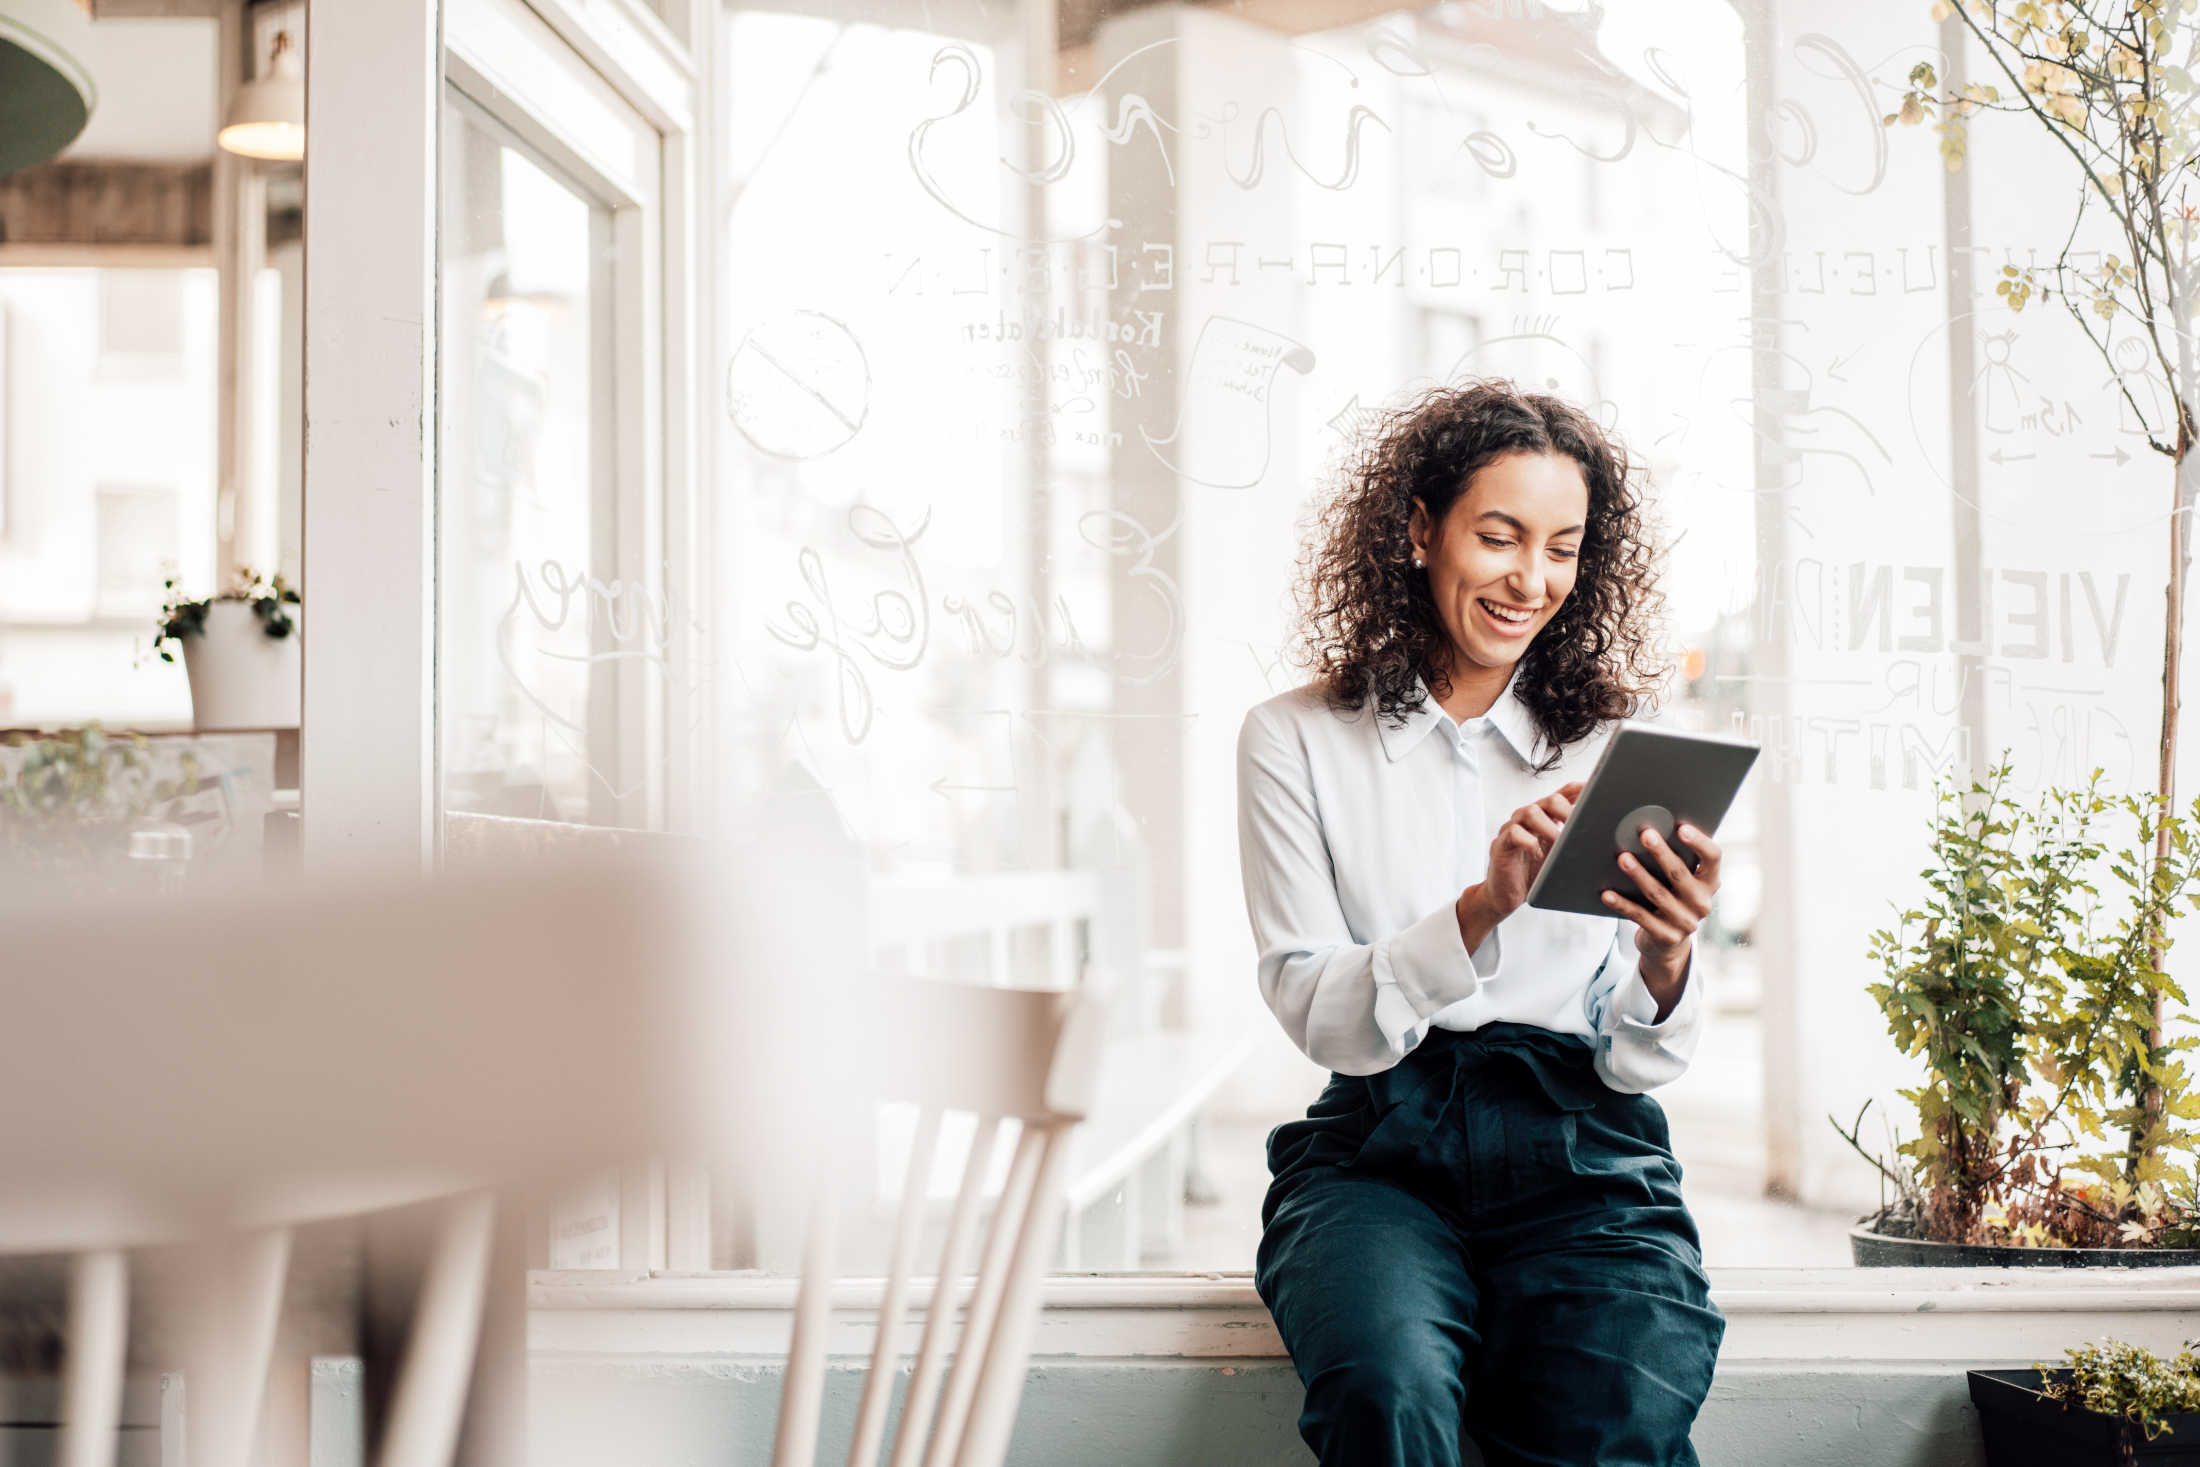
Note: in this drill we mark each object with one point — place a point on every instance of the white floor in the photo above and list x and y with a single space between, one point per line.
1715 1114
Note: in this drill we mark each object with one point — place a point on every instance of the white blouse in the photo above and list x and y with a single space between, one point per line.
1357 837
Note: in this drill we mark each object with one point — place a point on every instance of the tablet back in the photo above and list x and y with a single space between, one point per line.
1648 776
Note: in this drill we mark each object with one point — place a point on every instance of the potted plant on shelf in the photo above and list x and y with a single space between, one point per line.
2113 1403
82 805
241 651
2051 1119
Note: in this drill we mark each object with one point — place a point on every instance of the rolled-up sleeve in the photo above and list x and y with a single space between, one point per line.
1353 1007
1635 1050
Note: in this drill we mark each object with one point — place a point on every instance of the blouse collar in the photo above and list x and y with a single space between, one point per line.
1508 715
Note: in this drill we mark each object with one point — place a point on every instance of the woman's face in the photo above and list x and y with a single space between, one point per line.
1505 555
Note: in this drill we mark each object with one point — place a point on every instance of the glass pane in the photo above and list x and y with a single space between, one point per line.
524 704
1032 377
107 487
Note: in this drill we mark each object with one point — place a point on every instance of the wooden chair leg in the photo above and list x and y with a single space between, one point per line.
802 1395
939 1316
878 1386
98 1344
495 1430
1008 1352
430 1400
985 1304
235 1303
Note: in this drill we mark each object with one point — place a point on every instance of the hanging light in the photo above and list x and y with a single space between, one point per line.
46 88
267 117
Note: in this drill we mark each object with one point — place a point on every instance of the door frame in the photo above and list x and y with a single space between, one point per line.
369 776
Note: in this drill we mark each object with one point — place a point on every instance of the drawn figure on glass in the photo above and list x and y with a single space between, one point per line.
560 619
799 386
895 634
1228 392
1999 385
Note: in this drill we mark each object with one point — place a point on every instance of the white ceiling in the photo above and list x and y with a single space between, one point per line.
157 83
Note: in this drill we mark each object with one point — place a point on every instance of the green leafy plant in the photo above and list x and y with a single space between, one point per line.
181 616
2031 998
2129 1382
67 798
2110 85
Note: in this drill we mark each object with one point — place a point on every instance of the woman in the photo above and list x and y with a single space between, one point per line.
1477 1231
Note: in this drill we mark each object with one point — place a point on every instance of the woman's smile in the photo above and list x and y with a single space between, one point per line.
1509 621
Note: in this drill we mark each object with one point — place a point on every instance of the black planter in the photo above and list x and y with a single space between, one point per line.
1876 1250
2025 1429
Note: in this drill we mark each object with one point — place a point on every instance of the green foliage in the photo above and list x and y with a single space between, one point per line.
181 616
67 804
2030 997
2127 1381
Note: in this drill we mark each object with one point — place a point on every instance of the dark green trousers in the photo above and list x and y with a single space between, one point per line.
1488 1242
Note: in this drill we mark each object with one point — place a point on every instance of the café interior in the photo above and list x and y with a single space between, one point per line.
623 627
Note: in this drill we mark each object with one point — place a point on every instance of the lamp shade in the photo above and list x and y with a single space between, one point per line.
46 89
267 117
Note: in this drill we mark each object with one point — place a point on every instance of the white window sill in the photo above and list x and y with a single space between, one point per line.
1882 1315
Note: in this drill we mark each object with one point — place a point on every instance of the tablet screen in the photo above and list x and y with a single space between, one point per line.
1648 775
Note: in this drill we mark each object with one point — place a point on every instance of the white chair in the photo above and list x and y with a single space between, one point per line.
226 1069
1003 1055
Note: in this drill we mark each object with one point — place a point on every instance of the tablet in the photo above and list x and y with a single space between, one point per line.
1648 776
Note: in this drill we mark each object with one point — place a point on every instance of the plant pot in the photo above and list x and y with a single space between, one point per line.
2025 1429
242 678
1876 1250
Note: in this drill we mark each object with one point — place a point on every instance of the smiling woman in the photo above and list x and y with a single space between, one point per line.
1376 621
1478 1225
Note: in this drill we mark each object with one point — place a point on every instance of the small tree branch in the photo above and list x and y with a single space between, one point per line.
1993 44
1902 1184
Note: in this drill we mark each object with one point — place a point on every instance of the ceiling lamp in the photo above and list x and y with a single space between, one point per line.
267 117
46 88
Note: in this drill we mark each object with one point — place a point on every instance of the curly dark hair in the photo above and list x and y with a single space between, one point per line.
1368 625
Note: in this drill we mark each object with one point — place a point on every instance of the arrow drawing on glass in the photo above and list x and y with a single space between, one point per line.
1221 437
1352 420
1997 456
2119 455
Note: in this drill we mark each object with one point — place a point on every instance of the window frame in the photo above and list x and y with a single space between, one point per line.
372 784
507 64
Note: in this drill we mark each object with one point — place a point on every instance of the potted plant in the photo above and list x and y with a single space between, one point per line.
2113 1403
73 804
241 651
2031 996
2109 84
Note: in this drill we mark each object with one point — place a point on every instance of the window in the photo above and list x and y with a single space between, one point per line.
1028 397
562 655
528 703
107 486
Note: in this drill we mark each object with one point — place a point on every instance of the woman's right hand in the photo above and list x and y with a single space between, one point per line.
1516 856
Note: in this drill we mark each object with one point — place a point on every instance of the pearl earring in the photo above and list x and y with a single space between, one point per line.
1419 564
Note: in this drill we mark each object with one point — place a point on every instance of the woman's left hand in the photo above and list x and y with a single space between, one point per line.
1679 901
